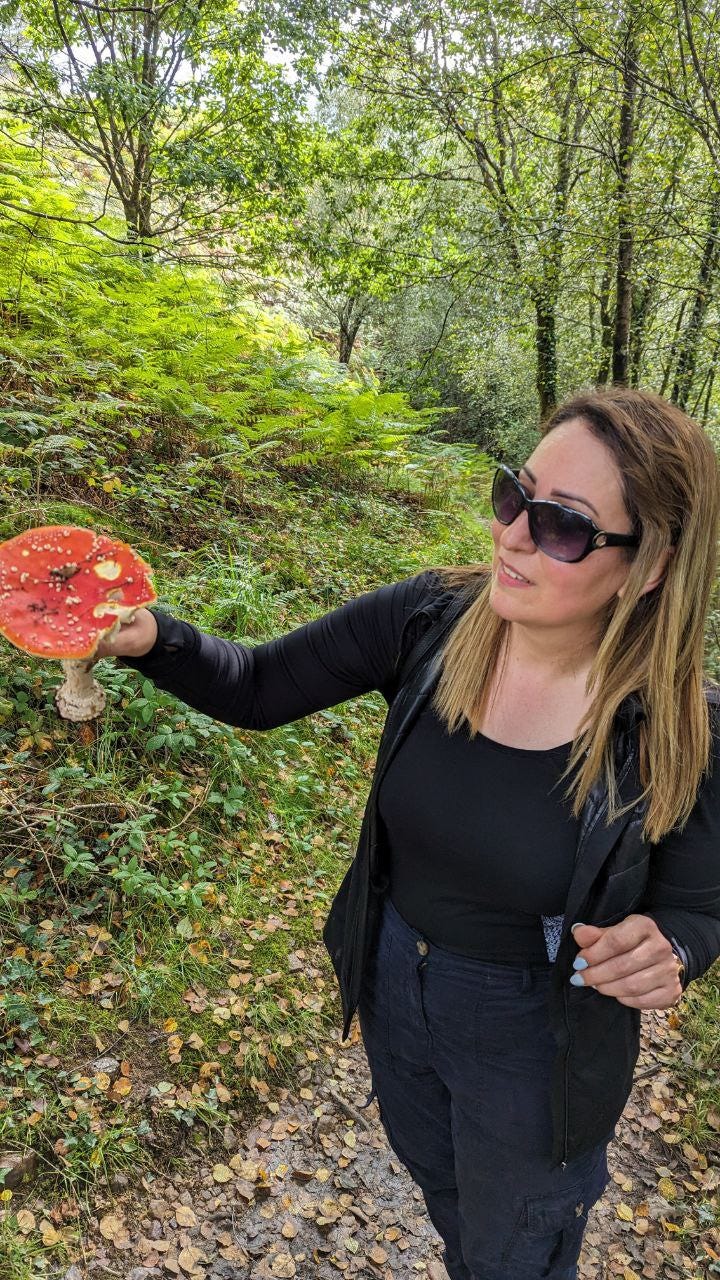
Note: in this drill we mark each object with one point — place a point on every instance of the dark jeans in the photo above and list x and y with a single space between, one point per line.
460 1053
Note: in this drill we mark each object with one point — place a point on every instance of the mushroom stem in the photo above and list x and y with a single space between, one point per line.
79 697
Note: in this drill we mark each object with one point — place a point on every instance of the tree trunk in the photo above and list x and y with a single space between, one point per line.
606 326
687 359
673 348
350 317
623 291
546 344
641 301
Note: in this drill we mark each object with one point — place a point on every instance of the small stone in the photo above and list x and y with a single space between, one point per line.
110 1066
119 1182
230 1138
18 1165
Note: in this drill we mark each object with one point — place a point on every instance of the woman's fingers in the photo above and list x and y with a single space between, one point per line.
640 983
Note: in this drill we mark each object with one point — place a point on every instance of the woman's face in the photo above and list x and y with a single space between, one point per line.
568 460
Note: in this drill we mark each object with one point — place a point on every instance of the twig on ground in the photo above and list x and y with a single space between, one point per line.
347 1107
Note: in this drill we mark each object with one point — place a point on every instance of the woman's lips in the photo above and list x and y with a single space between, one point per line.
506 580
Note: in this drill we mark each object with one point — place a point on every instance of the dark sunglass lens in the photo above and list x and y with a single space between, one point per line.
564 535
506 497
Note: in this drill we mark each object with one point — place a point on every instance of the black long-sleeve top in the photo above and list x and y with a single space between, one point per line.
481 840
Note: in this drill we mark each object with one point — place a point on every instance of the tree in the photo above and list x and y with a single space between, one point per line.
508 116
172 99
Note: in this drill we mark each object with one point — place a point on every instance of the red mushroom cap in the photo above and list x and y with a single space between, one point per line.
62 587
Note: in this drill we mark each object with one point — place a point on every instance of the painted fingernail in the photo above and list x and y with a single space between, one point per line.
578 925
579 963
577 980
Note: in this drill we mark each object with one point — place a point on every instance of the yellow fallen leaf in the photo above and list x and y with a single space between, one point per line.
625 1212
25 1220
221 1173
111 1226
283 1266
629 1274
322 1175
188 1258
185 1216
50 1236
667 1189
670 1226
170 1024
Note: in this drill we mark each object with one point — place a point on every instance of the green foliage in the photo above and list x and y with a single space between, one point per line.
113 365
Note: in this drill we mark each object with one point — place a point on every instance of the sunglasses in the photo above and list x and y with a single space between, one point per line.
558 531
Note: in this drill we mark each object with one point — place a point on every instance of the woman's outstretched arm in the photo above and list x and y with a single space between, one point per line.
342 654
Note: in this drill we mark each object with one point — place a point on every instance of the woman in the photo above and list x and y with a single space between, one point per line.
539 858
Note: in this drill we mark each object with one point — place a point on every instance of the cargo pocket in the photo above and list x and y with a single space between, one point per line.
548 1235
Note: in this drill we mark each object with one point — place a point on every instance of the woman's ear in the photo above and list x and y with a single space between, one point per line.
657 572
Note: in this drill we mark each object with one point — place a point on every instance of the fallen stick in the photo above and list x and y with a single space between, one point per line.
347 1107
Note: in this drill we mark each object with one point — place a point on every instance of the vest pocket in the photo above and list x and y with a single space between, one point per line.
621 892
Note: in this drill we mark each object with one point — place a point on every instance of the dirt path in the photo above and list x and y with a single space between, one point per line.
313 1191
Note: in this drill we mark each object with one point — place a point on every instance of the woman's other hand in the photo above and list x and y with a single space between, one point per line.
133 640
632 961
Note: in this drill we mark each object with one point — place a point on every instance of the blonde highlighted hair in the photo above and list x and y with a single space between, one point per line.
653 644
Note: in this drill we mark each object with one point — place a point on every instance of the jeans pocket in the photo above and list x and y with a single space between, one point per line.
549 1232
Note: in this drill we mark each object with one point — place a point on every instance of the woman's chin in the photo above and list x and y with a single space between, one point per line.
507 604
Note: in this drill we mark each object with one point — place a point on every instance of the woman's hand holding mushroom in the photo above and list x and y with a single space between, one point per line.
133 640
64 591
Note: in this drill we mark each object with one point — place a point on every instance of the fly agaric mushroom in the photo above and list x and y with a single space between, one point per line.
62 589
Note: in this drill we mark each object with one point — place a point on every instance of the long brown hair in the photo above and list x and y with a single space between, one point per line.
652 644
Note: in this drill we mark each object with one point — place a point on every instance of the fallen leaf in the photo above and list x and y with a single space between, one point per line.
625 1212
221 1173
188 1258
185 1216
283 1266
113 1228
25 1220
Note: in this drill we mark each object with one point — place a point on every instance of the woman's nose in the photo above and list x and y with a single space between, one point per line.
517 534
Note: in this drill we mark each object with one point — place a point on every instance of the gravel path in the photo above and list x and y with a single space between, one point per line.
313 1191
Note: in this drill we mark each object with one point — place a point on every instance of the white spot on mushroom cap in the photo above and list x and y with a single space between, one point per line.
108 569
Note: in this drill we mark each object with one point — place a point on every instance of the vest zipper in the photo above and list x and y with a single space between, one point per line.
567 1081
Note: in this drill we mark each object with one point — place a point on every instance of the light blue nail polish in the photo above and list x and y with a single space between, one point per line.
577 980
579 963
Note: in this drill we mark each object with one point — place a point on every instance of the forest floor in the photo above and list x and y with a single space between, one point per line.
312 1190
